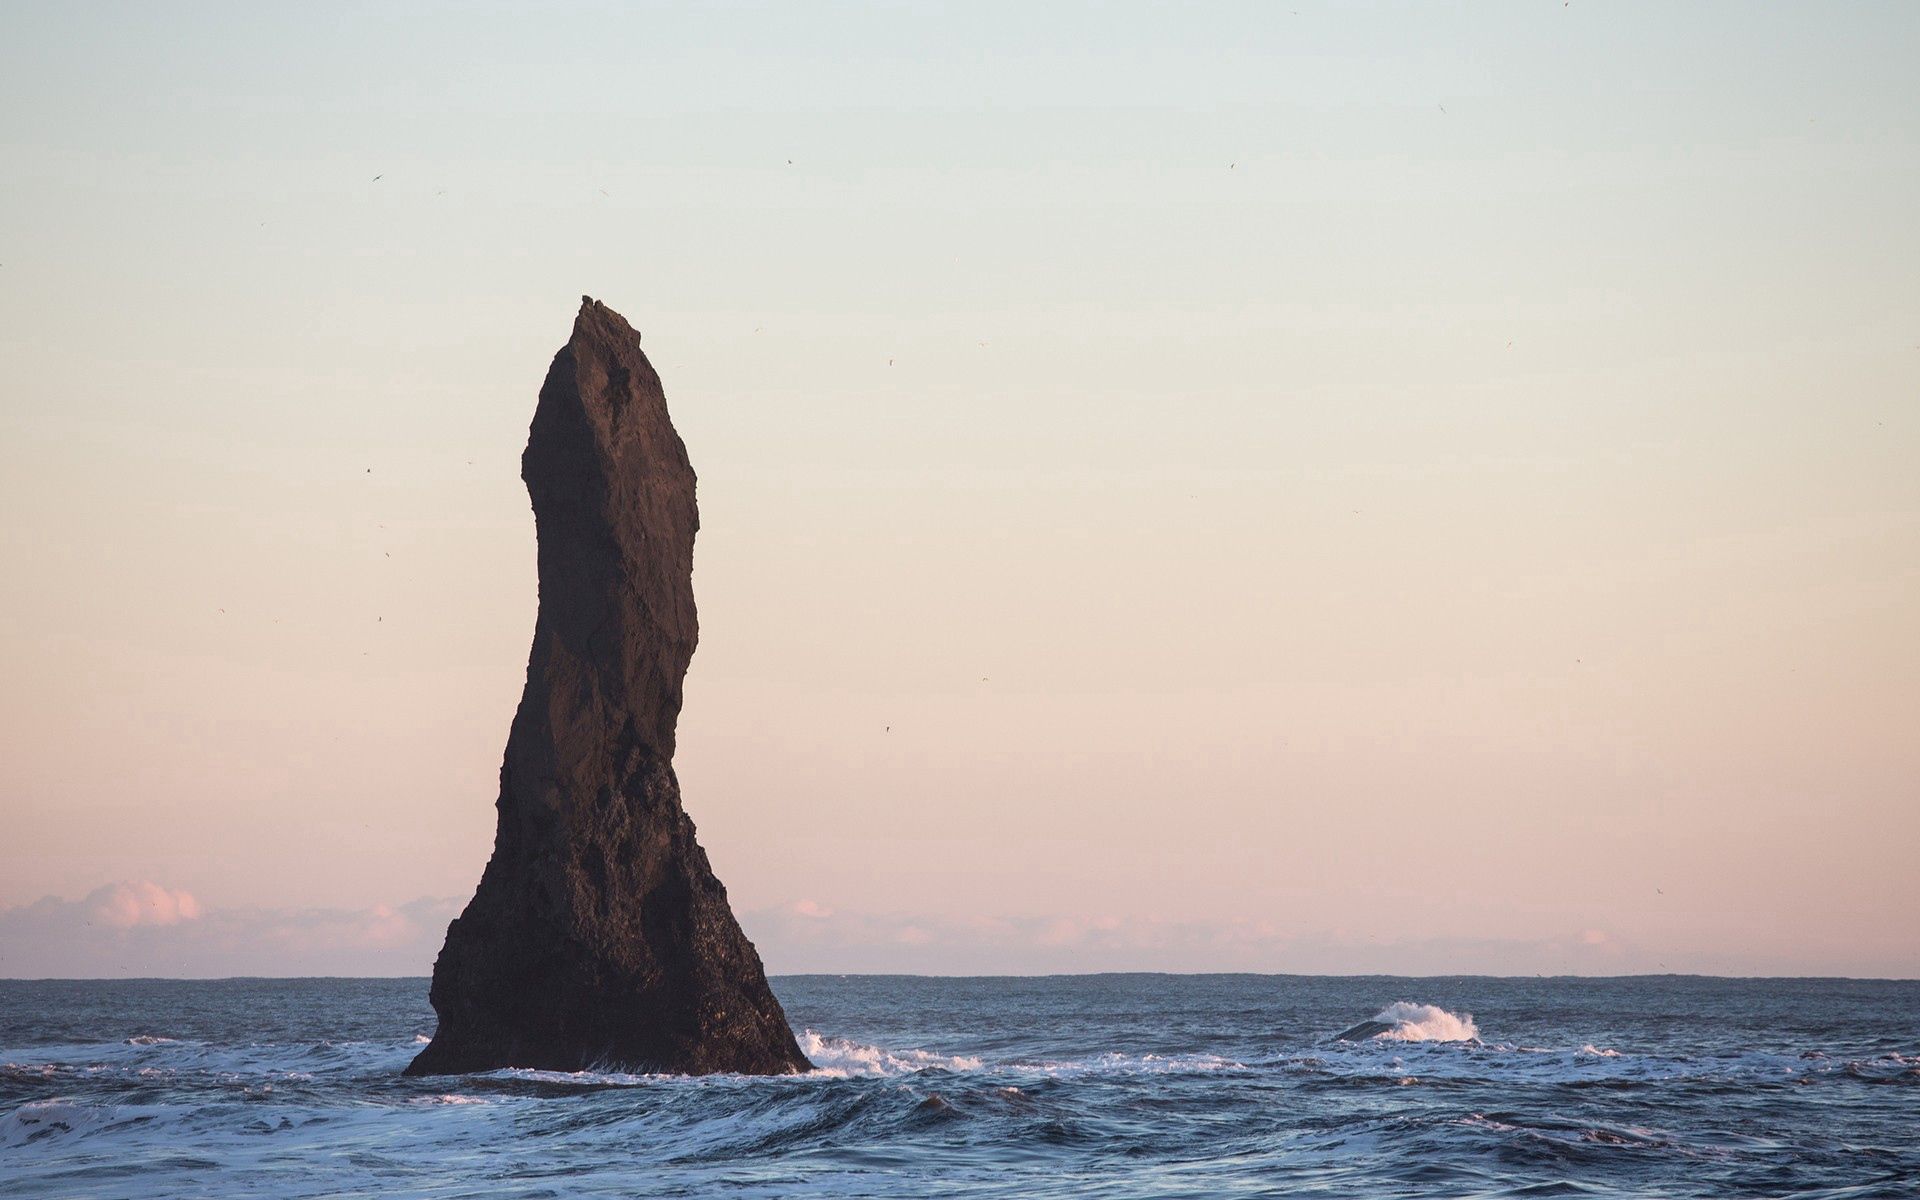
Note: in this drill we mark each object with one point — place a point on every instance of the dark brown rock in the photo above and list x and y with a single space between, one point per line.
598 935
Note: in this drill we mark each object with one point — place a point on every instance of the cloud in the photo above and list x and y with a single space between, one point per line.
145 928
140 902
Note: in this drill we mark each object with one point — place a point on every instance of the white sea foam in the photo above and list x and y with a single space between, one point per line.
839 1058
595 1077
1425 1023
1129 1064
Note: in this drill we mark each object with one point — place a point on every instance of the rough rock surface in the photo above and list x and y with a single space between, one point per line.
598 935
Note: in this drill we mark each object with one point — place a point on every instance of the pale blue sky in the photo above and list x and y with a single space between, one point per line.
1294 482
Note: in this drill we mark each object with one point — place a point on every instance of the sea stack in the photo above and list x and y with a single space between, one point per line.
598 935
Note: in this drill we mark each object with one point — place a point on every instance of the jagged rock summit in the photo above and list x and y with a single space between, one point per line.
598 935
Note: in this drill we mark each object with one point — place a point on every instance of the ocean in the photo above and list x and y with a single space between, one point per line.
1109 1086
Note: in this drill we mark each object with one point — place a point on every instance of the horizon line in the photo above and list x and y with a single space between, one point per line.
1023 975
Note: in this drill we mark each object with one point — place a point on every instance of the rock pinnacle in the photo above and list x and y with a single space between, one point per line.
599 935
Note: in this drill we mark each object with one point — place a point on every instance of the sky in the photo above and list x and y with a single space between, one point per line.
1407 488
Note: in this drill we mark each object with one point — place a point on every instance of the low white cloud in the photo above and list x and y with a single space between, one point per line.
140 902
150 929
146 928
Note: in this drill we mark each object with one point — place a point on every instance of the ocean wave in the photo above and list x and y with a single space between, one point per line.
179 1061
841 1058
1132 1064
1382 1059
1412 1022
62 1117
984 1089
1575 1140
588 1079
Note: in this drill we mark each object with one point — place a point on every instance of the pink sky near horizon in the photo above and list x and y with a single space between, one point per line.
1382 490
142 929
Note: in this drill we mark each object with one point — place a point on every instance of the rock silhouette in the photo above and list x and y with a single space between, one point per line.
599 935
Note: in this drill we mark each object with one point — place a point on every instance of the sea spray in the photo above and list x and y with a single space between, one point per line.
1425 1023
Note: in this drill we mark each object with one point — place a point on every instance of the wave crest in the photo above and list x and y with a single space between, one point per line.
1425 1023
838 1057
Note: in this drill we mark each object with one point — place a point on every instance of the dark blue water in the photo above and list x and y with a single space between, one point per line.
1101 1086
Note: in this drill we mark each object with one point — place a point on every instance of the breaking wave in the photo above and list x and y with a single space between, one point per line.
1425 1023
839 1058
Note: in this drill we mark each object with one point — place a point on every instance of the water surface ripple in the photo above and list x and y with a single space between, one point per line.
1100 1086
